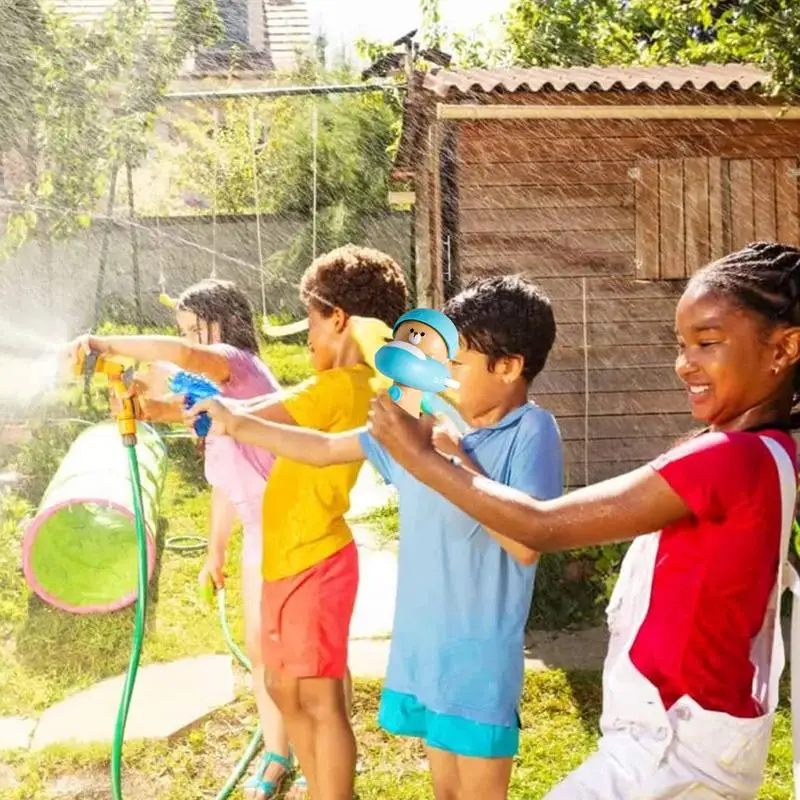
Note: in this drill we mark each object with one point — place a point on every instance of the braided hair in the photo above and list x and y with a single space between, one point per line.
764 278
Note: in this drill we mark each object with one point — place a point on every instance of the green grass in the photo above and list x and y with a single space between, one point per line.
559 715
385 522
289 363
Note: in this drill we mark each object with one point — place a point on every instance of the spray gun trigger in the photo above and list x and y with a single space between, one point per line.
88 370
128 378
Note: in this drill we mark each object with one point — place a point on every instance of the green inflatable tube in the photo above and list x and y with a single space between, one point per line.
79 552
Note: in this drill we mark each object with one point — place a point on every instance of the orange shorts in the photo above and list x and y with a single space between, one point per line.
305 619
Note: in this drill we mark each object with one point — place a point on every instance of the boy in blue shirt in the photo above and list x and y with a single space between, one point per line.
456 664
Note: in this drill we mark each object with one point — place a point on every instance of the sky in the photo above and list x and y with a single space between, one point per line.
344 21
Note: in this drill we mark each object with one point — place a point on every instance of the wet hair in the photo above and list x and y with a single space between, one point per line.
361 281
223 302
764 279
506 316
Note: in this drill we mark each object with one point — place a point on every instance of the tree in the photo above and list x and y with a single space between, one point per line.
21 27
355 136
583 32
83 101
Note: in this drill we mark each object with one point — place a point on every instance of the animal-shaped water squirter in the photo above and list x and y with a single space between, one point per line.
416 358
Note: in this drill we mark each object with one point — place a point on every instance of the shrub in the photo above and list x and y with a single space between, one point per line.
573 588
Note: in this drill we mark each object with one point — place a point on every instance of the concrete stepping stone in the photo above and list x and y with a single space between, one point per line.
16 732
368 658
167 699
373 615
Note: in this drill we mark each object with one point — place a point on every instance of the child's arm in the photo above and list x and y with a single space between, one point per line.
269 407
447 441
521 553
616 510
197 358
161 410
223 518
288 441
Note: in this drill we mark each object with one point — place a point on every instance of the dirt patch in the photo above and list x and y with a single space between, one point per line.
96 785
8 778
584 649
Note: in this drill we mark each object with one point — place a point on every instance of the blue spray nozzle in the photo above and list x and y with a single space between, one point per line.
434 404
193 388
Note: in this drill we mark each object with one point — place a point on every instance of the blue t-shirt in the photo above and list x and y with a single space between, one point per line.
462 600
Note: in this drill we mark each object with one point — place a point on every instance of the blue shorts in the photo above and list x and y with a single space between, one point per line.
404 715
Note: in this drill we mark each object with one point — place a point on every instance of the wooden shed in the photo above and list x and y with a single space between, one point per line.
608 187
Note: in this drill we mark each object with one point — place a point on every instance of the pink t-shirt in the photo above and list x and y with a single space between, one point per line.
714 571
240 470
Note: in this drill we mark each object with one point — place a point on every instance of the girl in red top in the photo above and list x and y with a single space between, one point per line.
690 684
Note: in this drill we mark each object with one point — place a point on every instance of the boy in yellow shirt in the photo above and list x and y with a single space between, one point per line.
310 562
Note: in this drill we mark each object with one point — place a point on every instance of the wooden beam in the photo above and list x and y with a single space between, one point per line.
436 289
648 221
476 112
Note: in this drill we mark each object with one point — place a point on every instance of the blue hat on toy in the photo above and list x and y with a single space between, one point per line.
440 322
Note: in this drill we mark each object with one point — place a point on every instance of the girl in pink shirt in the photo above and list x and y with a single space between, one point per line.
218 340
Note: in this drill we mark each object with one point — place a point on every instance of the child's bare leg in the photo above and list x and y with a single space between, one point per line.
444 773
348 693
484 778
272 727
285 692
461 778
323 701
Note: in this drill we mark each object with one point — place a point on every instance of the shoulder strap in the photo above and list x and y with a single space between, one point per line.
787 579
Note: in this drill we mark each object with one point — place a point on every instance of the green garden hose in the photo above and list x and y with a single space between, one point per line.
138 629
185 544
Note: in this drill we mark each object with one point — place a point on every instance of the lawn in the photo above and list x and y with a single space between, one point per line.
46 655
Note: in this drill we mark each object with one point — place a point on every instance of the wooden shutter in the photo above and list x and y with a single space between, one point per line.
691 211
678 216
762 195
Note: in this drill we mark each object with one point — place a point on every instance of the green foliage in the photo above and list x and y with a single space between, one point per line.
82 99
573 588
21 27
385 522
432 29
584 32
261 158
289 363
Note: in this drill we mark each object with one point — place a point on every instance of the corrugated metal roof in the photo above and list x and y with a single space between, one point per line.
605 79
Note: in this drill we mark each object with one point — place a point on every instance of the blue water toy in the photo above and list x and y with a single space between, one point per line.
193 388
433 404
440 322
416 358
408 369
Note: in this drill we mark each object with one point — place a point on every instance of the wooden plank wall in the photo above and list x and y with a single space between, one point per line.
557 201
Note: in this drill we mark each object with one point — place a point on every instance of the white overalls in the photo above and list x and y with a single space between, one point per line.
648 753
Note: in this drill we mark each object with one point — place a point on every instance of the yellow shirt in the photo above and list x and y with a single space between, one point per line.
304 506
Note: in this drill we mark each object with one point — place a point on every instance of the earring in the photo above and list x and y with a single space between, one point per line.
775 369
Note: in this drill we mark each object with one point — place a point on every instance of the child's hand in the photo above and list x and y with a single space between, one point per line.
73 355
223 417
447 438
407 439
213 570
155 378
